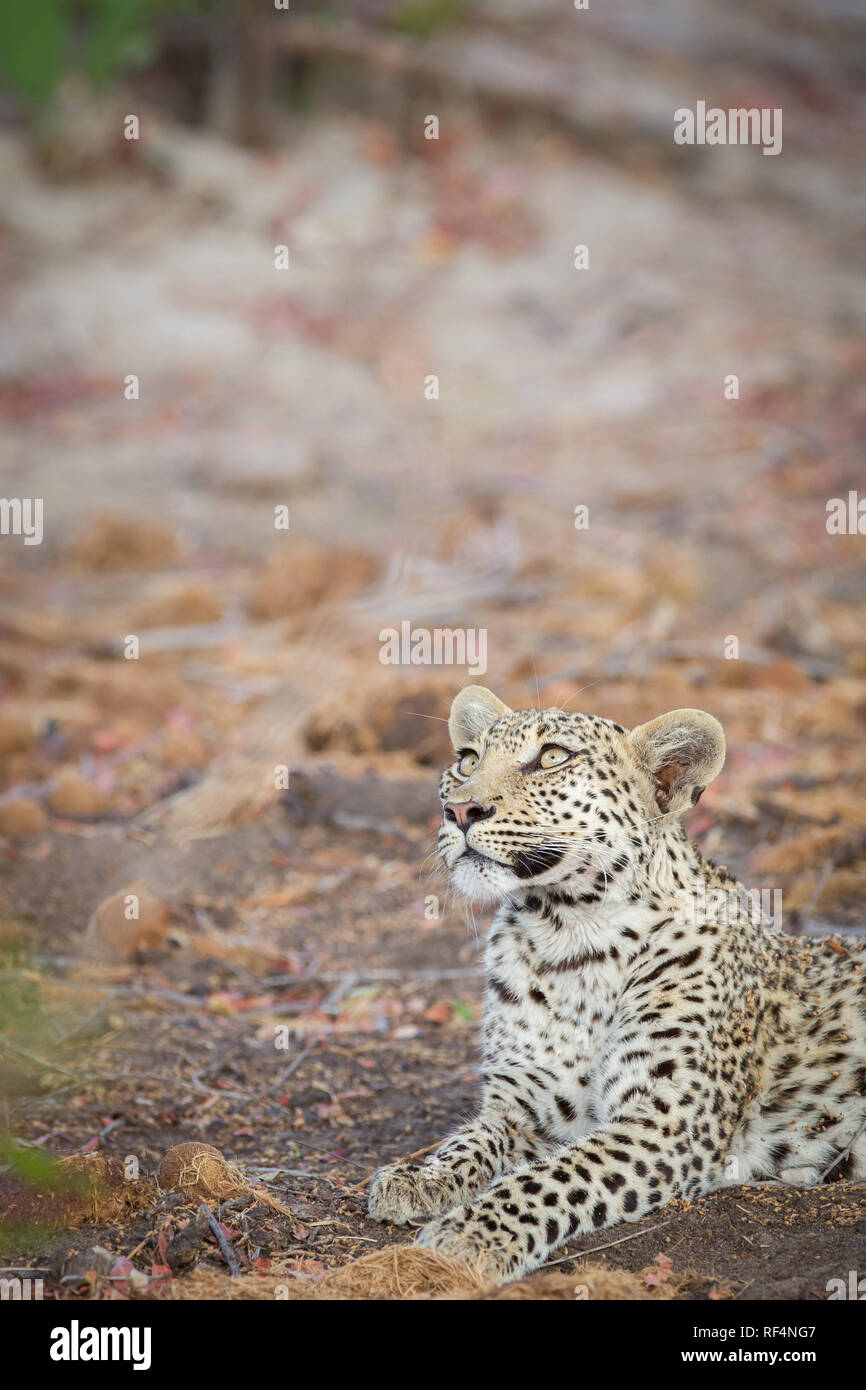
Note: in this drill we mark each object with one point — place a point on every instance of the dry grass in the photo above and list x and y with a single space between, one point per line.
407 1273
100 1189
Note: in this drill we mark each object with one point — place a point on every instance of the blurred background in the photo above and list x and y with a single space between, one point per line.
308 388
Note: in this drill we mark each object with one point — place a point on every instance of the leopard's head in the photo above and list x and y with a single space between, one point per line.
537 798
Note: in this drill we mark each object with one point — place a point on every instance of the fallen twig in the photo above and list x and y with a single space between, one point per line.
291 1068
12 1049
581 1254
225 1249
845 1152
297 1173
405 1158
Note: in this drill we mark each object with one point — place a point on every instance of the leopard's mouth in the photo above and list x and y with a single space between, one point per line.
529 862
475 856
469 856
483 878
524 864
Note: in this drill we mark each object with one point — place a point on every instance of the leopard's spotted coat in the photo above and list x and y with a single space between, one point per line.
634 1047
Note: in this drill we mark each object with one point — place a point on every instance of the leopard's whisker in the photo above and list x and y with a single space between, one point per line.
580 692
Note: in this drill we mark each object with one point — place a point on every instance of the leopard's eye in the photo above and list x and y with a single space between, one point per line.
467 763
551 756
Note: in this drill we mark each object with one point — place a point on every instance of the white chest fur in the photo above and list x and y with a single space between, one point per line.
551 1018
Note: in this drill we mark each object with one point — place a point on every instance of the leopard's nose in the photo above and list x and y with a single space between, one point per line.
466 813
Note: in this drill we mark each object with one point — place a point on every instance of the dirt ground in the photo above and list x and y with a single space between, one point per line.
312 914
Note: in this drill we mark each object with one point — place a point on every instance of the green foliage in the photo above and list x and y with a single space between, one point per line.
29 1178
40 40
20 995
33 1166
31 46
422 18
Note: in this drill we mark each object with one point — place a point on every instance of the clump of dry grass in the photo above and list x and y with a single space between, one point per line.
829 892
587 1283
99 1190
408 1273
112 544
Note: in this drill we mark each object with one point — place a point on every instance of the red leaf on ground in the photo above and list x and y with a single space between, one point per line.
440 1012
662 1272
119 1274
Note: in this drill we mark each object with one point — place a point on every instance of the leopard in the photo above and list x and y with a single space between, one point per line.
649 1032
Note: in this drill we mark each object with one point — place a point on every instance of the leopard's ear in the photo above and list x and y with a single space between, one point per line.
682 751
473 711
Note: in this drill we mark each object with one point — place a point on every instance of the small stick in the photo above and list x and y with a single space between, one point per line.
7 1046
406 1158
844 1154
418 1152
292 1067
340 990
299 1173
216 1090
114 1124
581 1254
227 1253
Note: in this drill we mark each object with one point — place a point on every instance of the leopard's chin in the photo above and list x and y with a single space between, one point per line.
482 880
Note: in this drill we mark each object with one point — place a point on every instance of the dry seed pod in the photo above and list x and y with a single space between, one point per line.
199 1170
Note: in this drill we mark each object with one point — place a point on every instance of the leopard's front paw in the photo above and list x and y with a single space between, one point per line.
402 1192
495 1254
